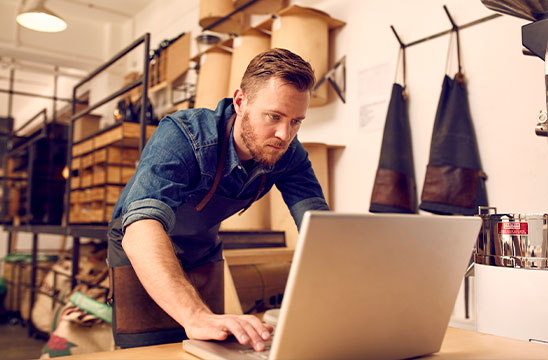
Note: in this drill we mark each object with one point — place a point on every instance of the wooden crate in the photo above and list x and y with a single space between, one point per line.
93 205
87 161
127 135
112 174
85 126
104 164
76 196
116 156
75 182
75 164
75 213
95 212
86 179
109 194
82 147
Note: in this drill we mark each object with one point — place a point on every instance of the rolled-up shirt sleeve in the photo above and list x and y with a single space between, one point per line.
149 209
163 179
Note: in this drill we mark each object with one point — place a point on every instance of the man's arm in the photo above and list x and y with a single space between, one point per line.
149 249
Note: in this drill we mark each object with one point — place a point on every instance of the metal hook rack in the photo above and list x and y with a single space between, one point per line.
340 88
453 28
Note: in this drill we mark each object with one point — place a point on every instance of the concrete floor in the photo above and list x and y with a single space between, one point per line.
15 344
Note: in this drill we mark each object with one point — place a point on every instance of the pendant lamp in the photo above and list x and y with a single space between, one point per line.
35 16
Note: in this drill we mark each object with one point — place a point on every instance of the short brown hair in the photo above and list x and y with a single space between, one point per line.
277 63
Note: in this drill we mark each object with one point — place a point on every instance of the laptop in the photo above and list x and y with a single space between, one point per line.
365 286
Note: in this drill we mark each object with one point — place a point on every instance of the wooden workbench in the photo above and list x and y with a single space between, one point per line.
458 344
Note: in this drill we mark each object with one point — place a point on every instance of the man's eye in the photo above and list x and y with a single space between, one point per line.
296 122
274 117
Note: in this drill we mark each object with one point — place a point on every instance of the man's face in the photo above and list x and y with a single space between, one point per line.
270 121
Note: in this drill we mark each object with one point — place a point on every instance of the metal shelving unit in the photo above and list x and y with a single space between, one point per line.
79 231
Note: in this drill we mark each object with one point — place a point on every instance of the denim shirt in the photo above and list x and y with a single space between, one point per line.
180 160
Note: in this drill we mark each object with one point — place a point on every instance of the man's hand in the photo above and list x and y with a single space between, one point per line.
246 328
150 251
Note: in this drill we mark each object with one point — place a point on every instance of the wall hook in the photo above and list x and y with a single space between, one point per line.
397 37
338 85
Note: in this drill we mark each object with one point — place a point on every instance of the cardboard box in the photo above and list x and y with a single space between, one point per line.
178 58
85 126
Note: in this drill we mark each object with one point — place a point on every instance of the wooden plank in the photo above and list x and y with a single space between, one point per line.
96 194
121 133
112 174
83 147
100 156
457 344
113 193
108 212
95 215
258 256
76 196
116 155
75 163
119 175
232 301
75 182
108 137
87 161
86 179
75 213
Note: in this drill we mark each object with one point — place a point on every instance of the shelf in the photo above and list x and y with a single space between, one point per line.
258 256
91 231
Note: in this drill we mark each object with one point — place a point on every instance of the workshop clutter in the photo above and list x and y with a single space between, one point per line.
80 320
302 30
260 286
17 273
101 166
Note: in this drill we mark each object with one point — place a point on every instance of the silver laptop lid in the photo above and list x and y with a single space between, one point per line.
372 286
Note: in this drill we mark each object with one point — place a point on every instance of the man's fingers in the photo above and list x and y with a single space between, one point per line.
247 329
256 339
237 330
261 328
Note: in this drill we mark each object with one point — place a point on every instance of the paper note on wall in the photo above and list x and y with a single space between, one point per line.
373 94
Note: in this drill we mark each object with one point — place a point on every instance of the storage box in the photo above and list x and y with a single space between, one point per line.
178 58
85 126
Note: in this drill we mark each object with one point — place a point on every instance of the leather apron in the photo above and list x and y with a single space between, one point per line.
137 319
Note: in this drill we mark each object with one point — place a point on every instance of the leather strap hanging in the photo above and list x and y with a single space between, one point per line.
218 174
459 76
401 56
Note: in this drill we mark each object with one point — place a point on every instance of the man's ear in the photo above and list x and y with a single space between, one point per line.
239 101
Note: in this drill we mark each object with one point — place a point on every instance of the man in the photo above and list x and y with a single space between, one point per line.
198 168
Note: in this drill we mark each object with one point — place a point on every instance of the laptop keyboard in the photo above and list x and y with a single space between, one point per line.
250 353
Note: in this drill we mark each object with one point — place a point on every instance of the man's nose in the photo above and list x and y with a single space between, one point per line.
283 131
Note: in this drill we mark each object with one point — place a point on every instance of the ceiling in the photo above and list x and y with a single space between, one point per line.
96 10
86 27
79 49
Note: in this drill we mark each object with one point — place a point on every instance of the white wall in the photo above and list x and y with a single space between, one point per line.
506 91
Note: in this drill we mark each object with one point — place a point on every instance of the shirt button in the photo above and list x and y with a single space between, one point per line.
240 167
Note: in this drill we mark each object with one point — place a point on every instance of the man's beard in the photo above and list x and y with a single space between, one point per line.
261 153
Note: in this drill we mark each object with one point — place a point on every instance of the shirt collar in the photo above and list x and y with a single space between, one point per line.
232 161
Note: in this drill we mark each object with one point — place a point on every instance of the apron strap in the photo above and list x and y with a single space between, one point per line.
259 192
222 157
459 76
401 56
